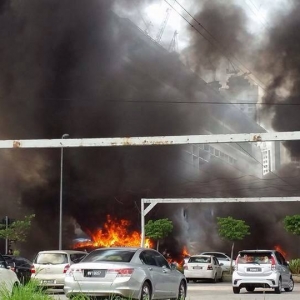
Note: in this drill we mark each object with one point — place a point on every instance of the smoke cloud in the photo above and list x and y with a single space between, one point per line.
80 69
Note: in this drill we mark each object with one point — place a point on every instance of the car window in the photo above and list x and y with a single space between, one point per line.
279 257
221 256
254 257
148 258
51 258
216 262
77 257
283 259
160 260
102 255
200 259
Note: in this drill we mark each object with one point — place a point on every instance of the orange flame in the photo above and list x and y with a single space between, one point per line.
114 234
185 252
279 249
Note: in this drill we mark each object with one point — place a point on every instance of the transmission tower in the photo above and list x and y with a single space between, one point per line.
173 47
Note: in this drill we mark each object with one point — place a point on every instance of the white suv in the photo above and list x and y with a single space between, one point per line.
263 269
8 278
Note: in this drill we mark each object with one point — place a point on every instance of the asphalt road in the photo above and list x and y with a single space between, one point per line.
223 291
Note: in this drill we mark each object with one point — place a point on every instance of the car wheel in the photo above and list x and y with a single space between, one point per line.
291 286
221 278
279 287
250 288
236 290
146 292
181 292
215 279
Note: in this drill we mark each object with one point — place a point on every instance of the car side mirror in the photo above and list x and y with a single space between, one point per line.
173 266
221 264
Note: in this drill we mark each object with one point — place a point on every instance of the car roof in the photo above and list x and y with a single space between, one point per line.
63 251
214 252
266 250
122 248
201 255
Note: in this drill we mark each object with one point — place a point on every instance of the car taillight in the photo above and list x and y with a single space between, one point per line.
209 267
127 272
273 263
236 263
66 268
32 269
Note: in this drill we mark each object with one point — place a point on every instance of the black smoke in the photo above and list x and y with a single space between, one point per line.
76 67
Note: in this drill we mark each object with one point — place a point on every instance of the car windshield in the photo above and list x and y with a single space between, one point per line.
252 257
51 258
200 259
110 255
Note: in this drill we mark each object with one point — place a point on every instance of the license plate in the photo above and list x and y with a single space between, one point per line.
197 267
47 281
254 269
94 273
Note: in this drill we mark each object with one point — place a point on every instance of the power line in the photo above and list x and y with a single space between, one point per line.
219 45
84 100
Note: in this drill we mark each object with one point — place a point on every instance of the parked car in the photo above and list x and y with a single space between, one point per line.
203 267
134 273
49 267
8 278
222 258
21 266
261 268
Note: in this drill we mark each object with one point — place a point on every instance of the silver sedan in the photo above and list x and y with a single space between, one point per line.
134 273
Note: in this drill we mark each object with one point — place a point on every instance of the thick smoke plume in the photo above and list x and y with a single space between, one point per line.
279 61
80 69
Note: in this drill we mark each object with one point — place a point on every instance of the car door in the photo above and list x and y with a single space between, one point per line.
283 267
157 276
217 267
170 277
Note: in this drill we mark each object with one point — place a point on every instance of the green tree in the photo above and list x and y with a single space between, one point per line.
292 224
158 229
232 230
18 230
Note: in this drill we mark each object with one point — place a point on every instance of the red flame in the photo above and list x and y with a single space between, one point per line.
279 249
115 233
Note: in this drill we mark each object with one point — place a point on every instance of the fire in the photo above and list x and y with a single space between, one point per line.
279 249
115 233
185 252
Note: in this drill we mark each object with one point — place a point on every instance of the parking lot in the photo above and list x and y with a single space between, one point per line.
223 291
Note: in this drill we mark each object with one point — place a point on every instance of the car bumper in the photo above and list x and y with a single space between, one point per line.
199 274
128 289
49 281
270 281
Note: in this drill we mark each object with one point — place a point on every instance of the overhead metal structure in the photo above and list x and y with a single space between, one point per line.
152 140
154 201
165 140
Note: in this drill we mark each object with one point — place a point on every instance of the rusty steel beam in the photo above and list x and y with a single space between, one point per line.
152 140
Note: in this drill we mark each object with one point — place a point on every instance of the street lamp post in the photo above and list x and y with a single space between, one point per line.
61 192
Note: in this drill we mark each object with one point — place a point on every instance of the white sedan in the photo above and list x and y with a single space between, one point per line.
203 267
222 258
